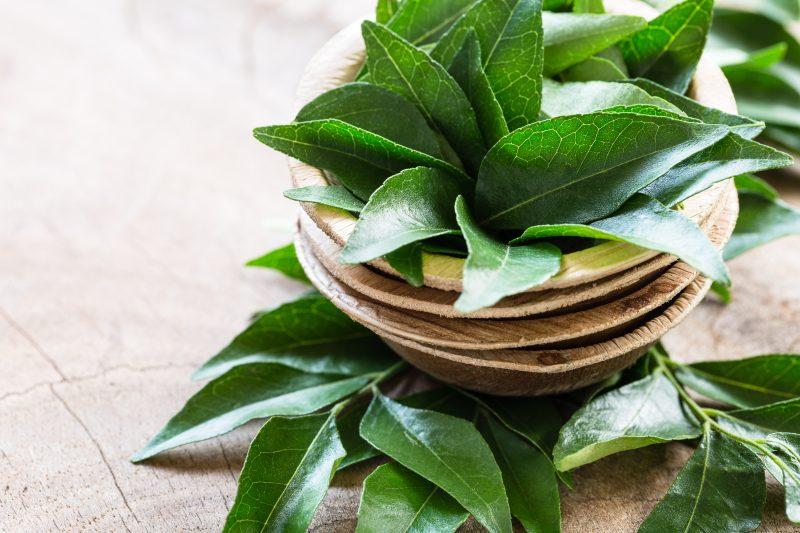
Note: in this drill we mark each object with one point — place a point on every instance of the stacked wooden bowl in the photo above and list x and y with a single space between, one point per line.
606 308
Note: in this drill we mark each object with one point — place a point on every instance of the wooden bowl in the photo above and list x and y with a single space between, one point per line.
338 62
571 350
605 308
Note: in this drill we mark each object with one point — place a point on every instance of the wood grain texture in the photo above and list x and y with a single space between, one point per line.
122 241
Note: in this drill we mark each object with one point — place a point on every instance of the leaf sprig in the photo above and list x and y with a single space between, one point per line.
455 454
478 100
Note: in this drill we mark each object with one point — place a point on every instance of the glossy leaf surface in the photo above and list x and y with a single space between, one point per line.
286 474
248 392
445 450
586 166
397 499
330 195
721 488
411 206
668 49
494 270
308 334
640 414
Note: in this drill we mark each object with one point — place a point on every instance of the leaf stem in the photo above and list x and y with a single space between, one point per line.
707 415
377 379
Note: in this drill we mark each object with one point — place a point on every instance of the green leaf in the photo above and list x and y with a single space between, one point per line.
397 65
529 478
586 166
571 38
668 49
556 5
423 21
721 488
755 185
446 451
750 382
761 220
743 126
766 96
385 10
787 137
359 159
647 223
494 270
758 422
746 39
247 392
607 65
779 10
286 474
574 98
397 499
284 260
408 261
411 206
723 292
443 400
640 414
308 334
467 69
357 449
589 6
330 195
510 37
729 157
787 447
377 110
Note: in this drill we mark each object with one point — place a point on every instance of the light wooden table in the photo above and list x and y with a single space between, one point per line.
131 192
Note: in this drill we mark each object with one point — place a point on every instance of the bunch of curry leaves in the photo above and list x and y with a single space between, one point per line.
315 376
491 129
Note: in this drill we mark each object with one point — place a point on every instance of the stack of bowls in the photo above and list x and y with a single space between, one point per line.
608 305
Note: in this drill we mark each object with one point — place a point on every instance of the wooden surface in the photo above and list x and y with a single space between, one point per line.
131 192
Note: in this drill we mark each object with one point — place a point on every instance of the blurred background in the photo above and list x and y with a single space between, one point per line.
131 194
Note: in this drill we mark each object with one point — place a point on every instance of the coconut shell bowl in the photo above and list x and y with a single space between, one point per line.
607 306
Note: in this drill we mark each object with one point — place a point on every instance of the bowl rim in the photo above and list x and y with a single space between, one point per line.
338 62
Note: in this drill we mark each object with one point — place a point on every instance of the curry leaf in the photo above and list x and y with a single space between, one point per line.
750 382
787 447
467 69
286 474
640 414
396 64
758 422
589 6
411 206
361 160
601 67
743 126
721 488
766 96
586 97
423 21
510 37
284 260
308 334
729 157
397 499
408 262
494 270
247 392
529 478
753 184
668 49
376 110
330 195
586 166
446 451
385 10
761 220
647 223
570 38
357 449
